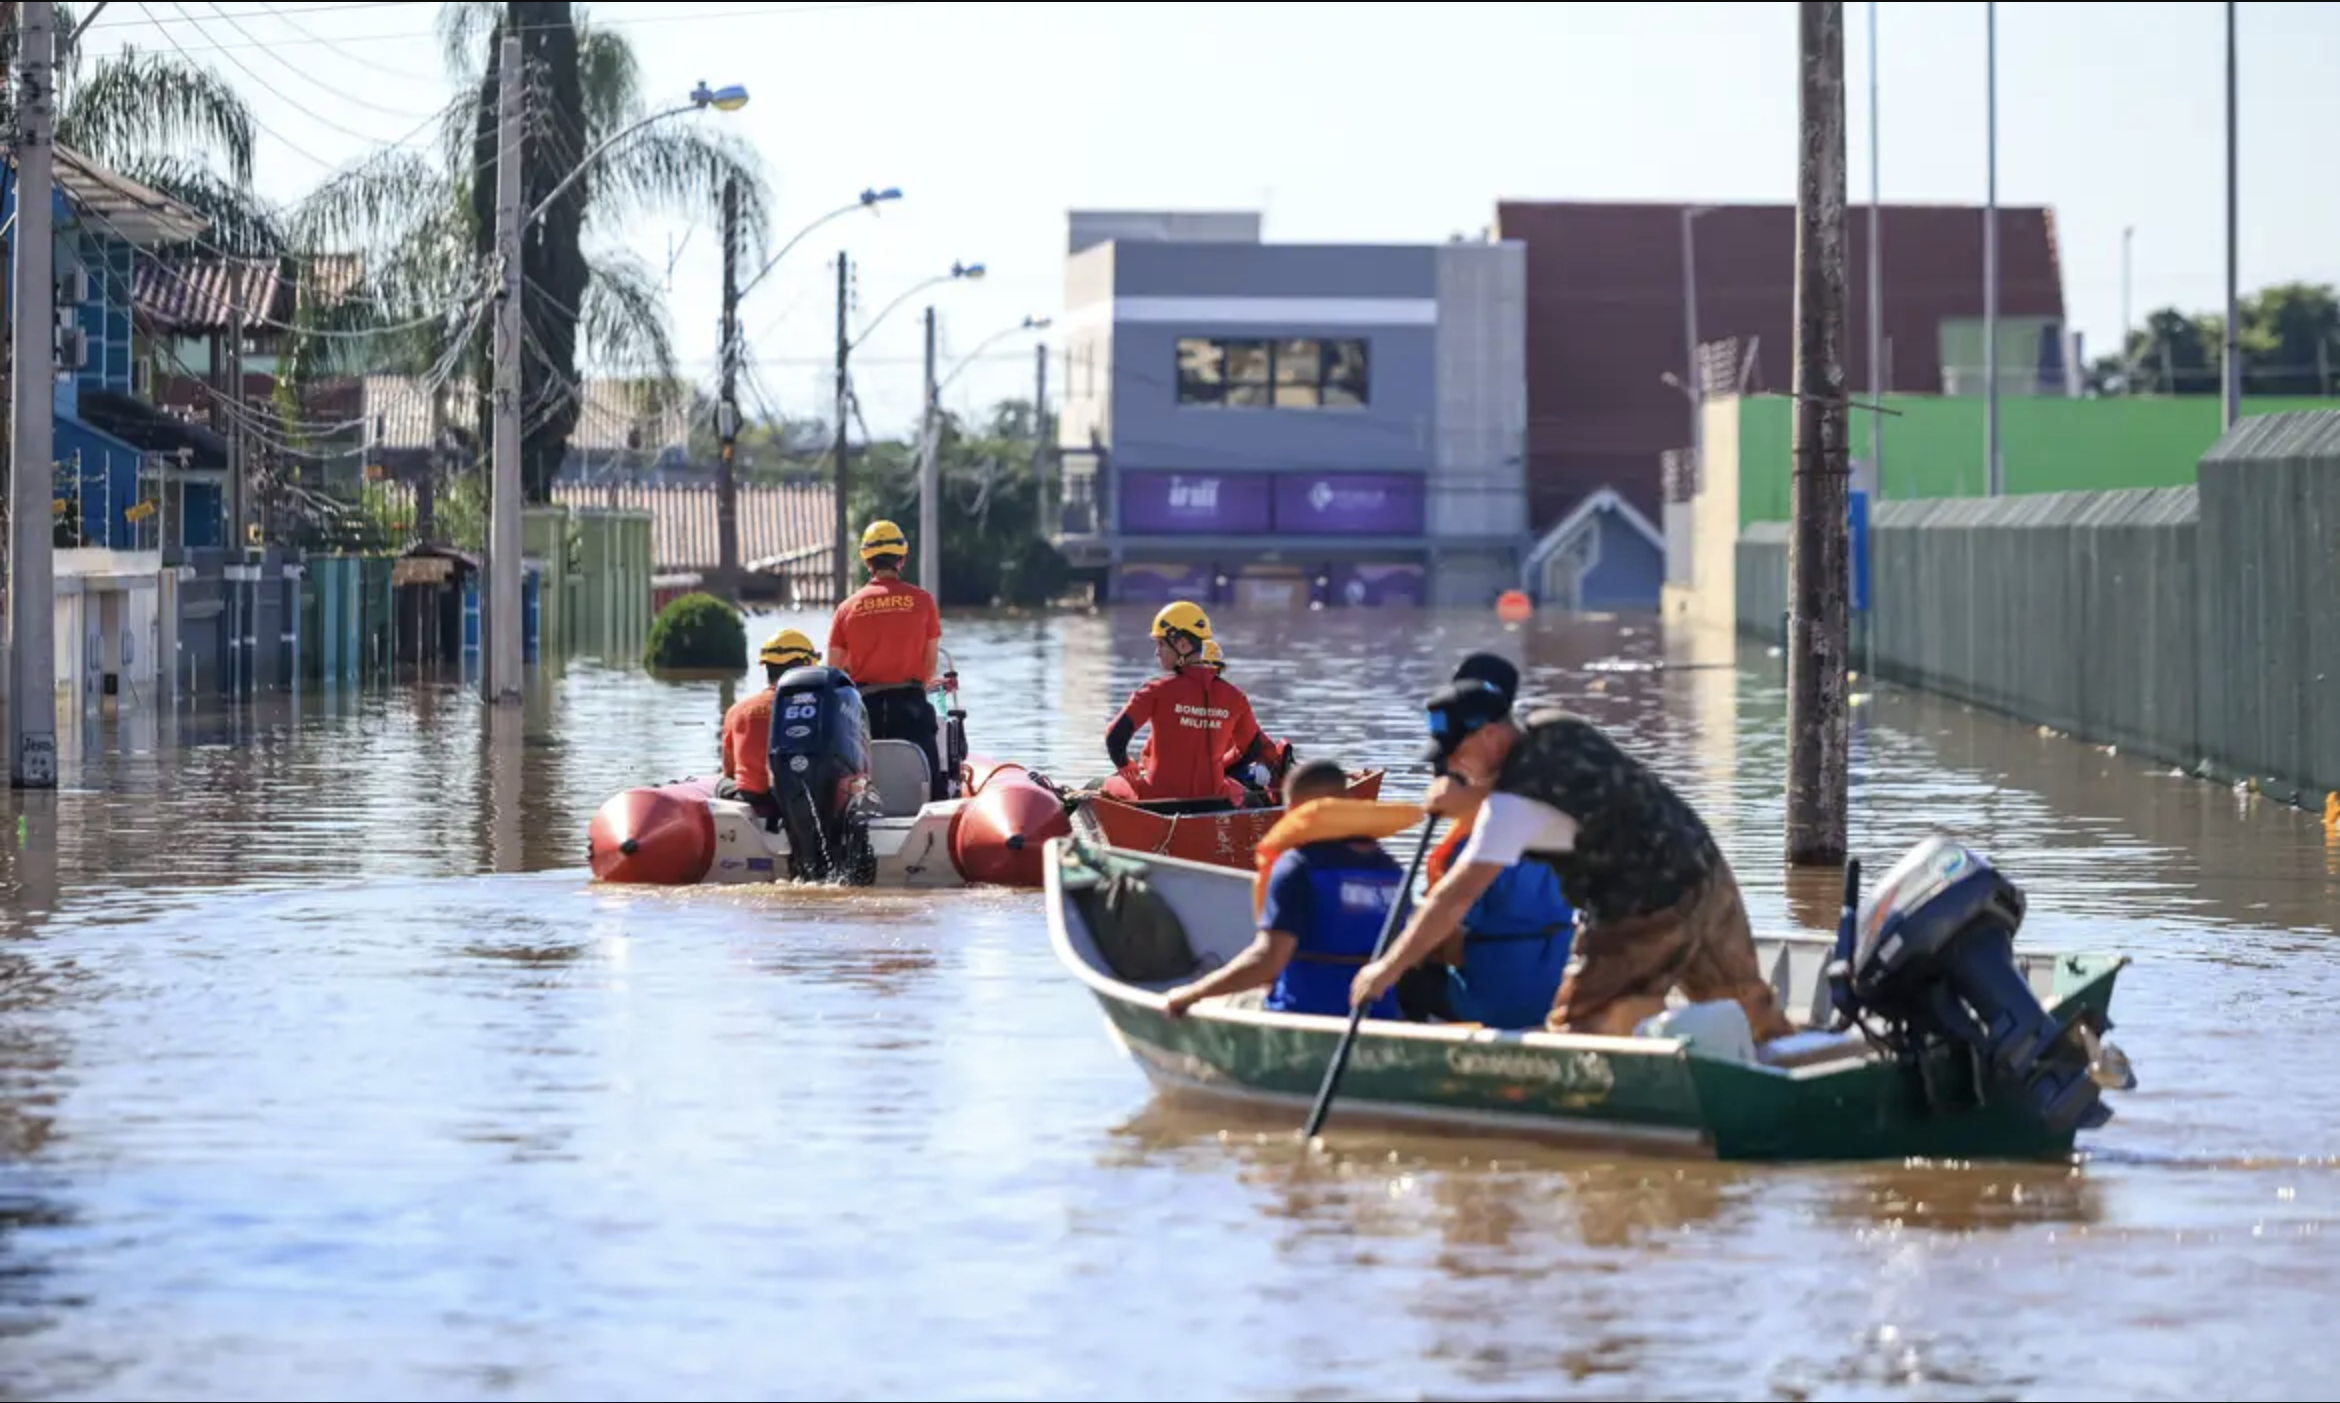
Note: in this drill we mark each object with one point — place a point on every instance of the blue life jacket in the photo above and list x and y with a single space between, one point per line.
1348 892
1517 936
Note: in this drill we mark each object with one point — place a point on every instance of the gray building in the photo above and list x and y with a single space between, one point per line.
1282 425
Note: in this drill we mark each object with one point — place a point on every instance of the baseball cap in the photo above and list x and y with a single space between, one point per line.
1454 711
1490 667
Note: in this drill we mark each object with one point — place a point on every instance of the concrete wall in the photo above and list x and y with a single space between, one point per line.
2199 625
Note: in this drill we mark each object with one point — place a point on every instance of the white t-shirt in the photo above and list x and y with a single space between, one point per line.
1510 826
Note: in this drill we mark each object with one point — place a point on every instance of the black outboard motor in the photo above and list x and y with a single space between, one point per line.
820 776
1935 962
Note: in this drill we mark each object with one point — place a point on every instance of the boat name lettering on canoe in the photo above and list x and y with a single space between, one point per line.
1572 1074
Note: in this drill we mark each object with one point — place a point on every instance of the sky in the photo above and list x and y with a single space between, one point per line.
1408 123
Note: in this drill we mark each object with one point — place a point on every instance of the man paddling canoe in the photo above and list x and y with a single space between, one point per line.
1657 902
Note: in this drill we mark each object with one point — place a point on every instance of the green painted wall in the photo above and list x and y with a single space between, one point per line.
1935 447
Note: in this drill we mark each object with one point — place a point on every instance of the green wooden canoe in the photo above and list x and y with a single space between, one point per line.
1816 1096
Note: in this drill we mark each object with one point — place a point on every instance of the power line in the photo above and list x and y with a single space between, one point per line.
685 17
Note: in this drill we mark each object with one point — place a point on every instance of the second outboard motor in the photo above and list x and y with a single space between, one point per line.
820 776
1935 961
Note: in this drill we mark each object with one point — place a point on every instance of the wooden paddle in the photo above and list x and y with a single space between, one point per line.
1389 928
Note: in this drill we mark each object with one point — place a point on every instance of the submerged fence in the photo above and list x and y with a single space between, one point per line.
2199 625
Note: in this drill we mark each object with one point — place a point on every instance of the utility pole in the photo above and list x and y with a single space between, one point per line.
1695 385
727 412
1040 443
32 600
1992 485
500 680
239 506
2128 355
842 573
930 477
1819 567
2232 371
1877 381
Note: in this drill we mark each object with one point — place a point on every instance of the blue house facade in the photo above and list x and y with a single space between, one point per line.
112 451
1289 426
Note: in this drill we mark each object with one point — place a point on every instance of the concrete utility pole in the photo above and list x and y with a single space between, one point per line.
1819 564
1992 484
1694 385
1040 444
32 602
930 477
842 581
2232 371
500 680
1877 382
727 412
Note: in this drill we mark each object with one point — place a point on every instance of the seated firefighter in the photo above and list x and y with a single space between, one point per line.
747 727
1195 717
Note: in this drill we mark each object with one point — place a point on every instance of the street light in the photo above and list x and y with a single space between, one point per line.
841 572
730 98
500 678
727 407
1027 324
971 272
930 443
868 200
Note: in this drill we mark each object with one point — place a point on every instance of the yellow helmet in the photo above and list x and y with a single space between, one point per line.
787 648
1213 656
883 538
1180 617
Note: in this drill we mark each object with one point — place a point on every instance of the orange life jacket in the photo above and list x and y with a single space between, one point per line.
1442 857
1321 821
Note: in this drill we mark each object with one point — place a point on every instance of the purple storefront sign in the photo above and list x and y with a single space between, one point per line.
1191 504
1345 504
1159 584
1378 586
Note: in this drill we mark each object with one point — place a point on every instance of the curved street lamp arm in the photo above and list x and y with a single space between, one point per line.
1029 324
595 154
914 289
869 200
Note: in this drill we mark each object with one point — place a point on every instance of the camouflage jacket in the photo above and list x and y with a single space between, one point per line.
1639 846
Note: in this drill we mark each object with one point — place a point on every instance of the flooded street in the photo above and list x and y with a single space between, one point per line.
324 1073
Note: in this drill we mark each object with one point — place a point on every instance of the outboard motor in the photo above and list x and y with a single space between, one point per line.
1931 956
820 776
954 726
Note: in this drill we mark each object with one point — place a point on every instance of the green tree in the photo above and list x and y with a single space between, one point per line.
425 222
2291 339
162 120
992 551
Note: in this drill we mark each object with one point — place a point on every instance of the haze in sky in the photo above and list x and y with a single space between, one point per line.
1346 123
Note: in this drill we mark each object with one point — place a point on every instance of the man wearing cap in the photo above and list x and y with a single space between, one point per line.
1657 904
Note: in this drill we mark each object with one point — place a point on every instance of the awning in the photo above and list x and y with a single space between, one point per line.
150 430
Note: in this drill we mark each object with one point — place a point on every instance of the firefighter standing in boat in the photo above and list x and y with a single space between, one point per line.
887 636
747 727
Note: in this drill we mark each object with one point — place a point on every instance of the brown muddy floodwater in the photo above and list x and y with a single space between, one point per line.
324 1074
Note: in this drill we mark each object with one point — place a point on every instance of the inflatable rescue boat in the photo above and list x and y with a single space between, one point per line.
851 809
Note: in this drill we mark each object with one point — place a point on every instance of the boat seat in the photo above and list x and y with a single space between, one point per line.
897 770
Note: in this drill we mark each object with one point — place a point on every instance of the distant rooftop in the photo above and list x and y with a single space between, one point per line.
1087 228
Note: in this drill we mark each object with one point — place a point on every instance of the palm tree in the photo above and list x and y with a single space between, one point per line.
162 120
425 222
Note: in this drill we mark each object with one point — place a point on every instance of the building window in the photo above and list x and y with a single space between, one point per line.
1294 373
